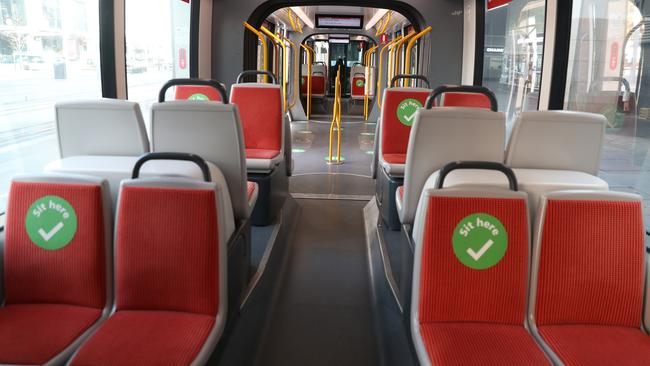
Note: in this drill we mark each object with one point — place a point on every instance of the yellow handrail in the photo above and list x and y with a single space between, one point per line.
336 120
366 94
407 61
264 48
310 60
380 68
279 42
398 48
382 28
296 62
293 24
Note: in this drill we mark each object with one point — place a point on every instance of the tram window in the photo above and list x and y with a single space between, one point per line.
157 47
514 46
608 74
49 52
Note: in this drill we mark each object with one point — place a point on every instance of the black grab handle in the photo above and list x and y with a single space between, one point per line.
462 89
255 72
172 156
482 165
409 76
201 82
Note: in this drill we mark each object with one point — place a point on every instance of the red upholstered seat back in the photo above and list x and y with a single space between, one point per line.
472 100
395 134
358 90
453 292
260 110
74 274
318 85
303 85
167 250
591 264
184 92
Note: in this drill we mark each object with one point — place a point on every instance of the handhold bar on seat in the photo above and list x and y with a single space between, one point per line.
481 165
172 156
201 82
462 89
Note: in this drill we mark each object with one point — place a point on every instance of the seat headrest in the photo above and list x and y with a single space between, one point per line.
100 127
208 129
443 135
558 140
469 100
196 92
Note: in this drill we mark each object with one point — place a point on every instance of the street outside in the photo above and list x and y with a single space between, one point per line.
27 97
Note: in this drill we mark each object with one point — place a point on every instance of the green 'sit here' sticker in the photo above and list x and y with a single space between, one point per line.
359 83
198 96
406 111
51 222
480 241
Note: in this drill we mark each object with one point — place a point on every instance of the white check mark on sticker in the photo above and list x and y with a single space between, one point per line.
410 118
48 235
481 252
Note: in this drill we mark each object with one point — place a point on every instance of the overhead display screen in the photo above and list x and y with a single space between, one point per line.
339 21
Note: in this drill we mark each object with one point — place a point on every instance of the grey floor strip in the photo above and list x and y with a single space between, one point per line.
333 197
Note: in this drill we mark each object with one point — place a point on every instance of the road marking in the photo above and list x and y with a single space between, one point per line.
48 235
481 252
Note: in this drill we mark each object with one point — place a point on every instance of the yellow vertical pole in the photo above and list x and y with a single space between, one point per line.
264 48
380 68
279 42
398 48
310 60
407 61
336 120
366 96
296 71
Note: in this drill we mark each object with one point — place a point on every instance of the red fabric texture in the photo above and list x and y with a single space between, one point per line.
401 191
260 110
143 338
394 134
74 274
250 189
358 91
261 153
32 334
184 92
480 344
472 100
167 250
591 264
318 85
587 345
303 85
452 292
395 158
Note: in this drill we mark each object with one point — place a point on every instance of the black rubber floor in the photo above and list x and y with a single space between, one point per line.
323 315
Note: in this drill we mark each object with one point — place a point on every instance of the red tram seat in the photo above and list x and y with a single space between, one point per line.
441 135
466 312
467 100
212 131
358 82
395 126
588 278
319 80
170 270
260 111
57 274
197 92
